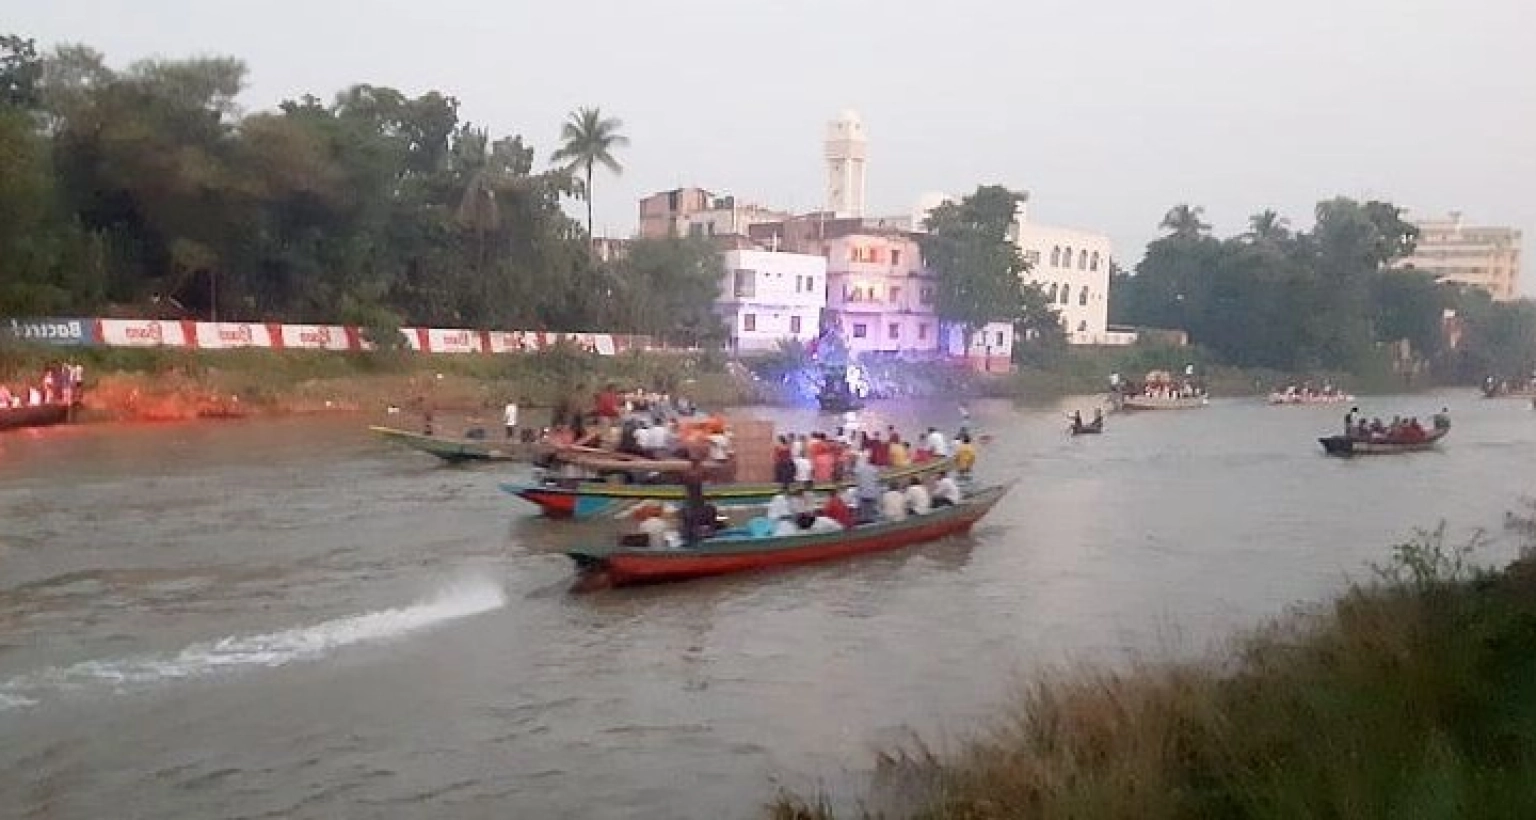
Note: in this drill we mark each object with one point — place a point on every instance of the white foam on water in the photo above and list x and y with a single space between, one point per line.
265 650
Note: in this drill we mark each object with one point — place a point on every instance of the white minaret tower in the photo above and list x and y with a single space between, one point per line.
845 165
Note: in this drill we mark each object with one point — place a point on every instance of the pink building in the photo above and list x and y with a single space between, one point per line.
880 294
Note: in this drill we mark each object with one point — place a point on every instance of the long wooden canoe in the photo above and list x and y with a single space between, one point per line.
1350 446
739 552
584 499
457 450
37 415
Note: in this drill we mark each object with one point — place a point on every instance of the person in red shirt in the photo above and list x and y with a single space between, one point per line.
608 403
839 511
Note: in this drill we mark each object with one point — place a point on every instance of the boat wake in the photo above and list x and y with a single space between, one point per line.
272 649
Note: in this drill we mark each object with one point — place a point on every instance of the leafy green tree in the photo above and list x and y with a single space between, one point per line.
667 288
21 73
1185 222
1268 226
979 268
589 139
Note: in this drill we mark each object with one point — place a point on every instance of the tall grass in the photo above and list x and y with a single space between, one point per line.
1413 695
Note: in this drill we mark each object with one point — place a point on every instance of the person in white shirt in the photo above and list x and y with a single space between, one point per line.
803 468
509 419
779 508
918 499
821 523
893 504
655 529
719 447
946 491
937 443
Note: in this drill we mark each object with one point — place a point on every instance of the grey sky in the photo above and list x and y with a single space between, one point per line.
1108 112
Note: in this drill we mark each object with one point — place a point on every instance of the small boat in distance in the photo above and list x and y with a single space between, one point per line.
740 550
1159 391
1293 397
1078 427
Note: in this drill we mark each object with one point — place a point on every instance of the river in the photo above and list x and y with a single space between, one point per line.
291 619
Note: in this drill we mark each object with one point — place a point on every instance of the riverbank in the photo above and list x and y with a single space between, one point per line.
153 384
1414 695
160 384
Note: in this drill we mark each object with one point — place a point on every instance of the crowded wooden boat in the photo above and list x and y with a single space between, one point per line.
833 529
1364 437
51 400
1160 390
1305 394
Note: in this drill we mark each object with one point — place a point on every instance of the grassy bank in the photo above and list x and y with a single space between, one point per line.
1412 696
162 383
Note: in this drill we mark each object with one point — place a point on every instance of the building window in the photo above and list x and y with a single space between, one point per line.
1082 260
826 251
922 332
749 321
1032 258
746 284
999 338
895 293
1066 294
925 296
1094 264
1050 295
894 331
794 324
810 284
1082 327
1055 256
895 258
1066 257
860 330
1082 296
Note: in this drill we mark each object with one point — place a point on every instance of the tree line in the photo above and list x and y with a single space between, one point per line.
146 190
1324 299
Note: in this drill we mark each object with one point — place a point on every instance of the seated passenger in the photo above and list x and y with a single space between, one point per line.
918 499
822 523
838 510
779 507
893 504
946 491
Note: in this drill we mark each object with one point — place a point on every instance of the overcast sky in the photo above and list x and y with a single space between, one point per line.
1107 112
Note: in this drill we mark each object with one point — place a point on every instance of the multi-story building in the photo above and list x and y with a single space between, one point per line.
1072 267
1475 256
663 214
727 217
768 296
880 293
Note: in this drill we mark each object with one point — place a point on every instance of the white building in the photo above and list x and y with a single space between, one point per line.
846 149
769 296
1072 267
1475 256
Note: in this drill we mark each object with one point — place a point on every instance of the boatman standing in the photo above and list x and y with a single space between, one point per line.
509 418
1349 420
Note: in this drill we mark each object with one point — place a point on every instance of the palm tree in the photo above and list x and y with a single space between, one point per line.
1185 221
1267 226
589 139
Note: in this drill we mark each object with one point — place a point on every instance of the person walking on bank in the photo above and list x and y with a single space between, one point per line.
509 418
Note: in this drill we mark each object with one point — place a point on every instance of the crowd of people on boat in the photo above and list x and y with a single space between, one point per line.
1305 393
59 383
1159 384
1509 387
818 457
1400 430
